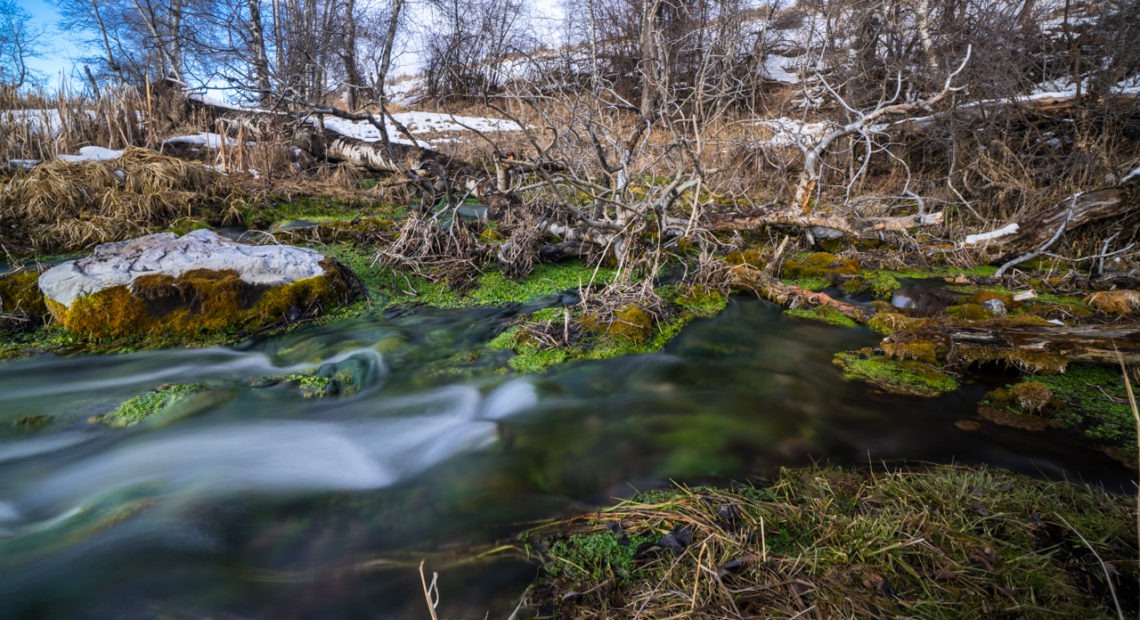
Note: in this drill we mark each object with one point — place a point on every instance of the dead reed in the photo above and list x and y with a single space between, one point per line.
64 206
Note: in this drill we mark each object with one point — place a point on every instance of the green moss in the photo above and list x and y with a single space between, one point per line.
149 404
330 380
978 271
896 376
1093 400
969 312
20 295
811 284
886 322
198 301
826 314
819 264
595 556
701 301
495 289
918 350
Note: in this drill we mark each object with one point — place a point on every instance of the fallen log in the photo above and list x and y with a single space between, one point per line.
308 131
1034 348
820 224
767 286
1026 239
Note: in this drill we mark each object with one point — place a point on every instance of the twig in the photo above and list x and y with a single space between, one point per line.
428 589
1039 251
1136 417
1103 568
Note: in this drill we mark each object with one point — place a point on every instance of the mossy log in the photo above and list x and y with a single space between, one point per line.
771 288
1097 344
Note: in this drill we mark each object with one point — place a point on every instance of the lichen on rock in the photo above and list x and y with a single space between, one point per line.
167 285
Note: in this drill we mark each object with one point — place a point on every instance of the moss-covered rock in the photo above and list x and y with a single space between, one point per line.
138 289
21 302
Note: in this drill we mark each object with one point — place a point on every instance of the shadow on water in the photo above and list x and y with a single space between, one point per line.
261 503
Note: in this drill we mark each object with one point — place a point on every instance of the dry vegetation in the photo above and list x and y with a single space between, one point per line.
822 543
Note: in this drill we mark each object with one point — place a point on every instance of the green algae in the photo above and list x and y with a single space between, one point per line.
144 406
908 377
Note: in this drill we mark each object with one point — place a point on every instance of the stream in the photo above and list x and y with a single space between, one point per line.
253 502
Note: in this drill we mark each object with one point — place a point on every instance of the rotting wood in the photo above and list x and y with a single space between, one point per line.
855 227
1097 344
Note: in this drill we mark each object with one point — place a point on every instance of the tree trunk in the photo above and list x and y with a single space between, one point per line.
260 60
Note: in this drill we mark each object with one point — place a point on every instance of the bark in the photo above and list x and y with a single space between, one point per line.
260 60
1097 344
354 82
859 228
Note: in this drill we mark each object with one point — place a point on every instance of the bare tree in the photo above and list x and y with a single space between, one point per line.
19 41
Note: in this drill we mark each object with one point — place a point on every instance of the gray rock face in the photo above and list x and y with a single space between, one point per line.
115 264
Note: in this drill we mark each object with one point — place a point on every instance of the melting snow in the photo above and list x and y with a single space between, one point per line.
418 123
206 139
93 153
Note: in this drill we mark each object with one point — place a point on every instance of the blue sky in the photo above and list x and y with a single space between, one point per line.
57 48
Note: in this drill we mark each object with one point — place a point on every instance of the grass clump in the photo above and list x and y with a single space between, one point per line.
63 206
905 376
945 542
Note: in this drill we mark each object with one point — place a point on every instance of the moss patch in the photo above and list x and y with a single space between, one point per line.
21 302
1093 400
819 264
945 542
200 301
825 314
896 376
146 405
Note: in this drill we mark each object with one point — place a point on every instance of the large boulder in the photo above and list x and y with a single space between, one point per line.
164 284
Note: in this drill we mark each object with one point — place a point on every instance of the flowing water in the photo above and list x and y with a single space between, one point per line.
251 501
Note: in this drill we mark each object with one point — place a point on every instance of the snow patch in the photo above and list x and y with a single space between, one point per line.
206 139
418 124
92 153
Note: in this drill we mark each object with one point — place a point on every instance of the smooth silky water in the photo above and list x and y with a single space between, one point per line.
256 502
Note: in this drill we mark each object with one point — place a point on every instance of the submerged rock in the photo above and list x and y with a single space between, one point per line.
163 284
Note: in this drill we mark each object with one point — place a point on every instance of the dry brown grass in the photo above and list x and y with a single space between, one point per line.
39 125
1115 302
60 206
